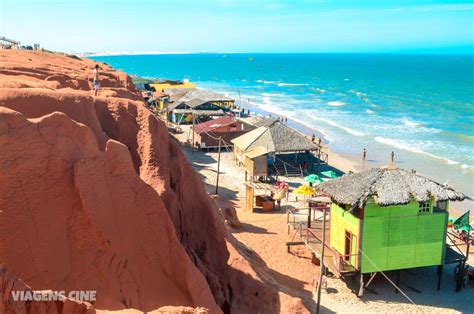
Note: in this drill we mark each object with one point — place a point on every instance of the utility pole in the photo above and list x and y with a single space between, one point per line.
321 267
240 102
192 144
218 166
319 156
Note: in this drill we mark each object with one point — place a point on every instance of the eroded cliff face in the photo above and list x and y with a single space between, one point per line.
94 195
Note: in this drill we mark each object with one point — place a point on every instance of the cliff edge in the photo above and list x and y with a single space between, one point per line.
94 195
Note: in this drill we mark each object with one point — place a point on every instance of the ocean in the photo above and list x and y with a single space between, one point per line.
421 107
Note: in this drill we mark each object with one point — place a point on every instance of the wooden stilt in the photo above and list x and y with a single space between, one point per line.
440 274
361 286
398 281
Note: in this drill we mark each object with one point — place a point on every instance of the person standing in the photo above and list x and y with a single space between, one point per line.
393 157
95 80
364 154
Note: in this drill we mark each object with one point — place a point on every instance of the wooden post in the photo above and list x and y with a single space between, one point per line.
319 156
218 166
398 281
321 267
361 286
309 217
440 274
192 144
459 276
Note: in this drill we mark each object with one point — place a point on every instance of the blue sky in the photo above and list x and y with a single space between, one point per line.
242 26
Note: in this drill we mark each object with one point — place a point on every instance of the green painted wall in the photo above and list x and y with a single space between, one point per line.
342 220
398 237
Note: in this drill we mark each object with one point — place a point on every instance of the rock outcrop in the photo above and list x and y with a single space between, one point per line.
94 195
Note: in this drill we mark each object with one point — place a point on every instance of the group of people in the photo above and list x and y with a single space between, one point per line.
364 155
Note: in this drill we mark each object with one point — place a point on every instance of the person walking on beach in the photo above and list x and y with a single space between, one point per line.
364 154
95 80
393 156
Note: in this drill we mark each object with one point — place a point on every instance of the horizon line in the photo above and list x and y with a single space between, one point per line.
146 53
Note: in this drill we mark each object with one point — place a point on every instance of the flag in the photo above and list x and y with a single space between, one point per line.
462 223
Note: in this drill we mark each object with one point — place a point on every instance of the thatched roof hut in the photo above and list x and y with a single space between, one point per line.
275 137
387 186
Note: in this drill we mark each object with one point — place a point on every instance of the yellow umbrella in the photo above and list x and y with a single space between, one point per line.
304 190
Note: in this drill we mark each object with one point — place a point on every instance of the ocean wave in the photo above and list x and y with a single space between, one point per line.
267 101
291 84
370 111
336 103
358 94
410 123
273 95
401 145
452 162
337 125
404 146
267 82
465 166
418 127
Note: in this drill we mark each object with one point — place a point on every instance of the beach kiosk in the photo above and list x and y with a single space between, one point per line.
283 148
387 219
258 197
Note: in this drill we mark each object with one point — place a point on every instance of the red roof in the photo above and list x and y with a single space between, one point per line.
211 125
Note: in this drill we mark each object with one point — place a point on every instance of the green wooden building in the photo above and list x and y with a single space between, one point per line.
388 219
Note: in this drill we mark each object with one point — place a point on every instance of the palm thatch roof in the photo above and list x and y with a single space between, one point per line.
387 186
187 94
275 137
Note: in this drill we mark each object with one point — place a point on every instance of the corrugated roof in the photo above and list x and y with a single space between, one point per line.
200 112
213 124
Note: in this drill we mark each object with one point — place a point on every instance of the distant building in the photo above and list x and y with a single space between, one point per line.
211 97
185 112
7 43
160 86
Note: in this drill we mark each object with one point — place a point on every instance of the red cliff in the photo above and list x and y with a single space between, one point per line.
94 195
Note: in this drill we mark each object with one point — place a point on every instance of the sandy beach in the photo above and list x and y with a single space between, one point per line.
265 235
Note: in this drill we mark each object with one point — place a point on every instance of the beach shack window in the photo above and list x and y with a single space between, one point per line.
424 207
440 206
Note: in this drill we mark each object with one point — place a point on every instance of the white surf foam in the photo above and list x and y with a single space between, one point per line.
291 84
370 111
399 144
336 103
452 162
337 125
403 146
410 123
267 82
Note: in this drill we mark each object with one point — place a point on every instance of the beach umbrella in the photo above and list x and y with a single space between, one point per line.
304 190
330 174
313 178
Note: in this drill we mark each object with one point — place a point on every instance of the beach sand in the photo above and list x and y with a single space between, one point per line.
264 236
